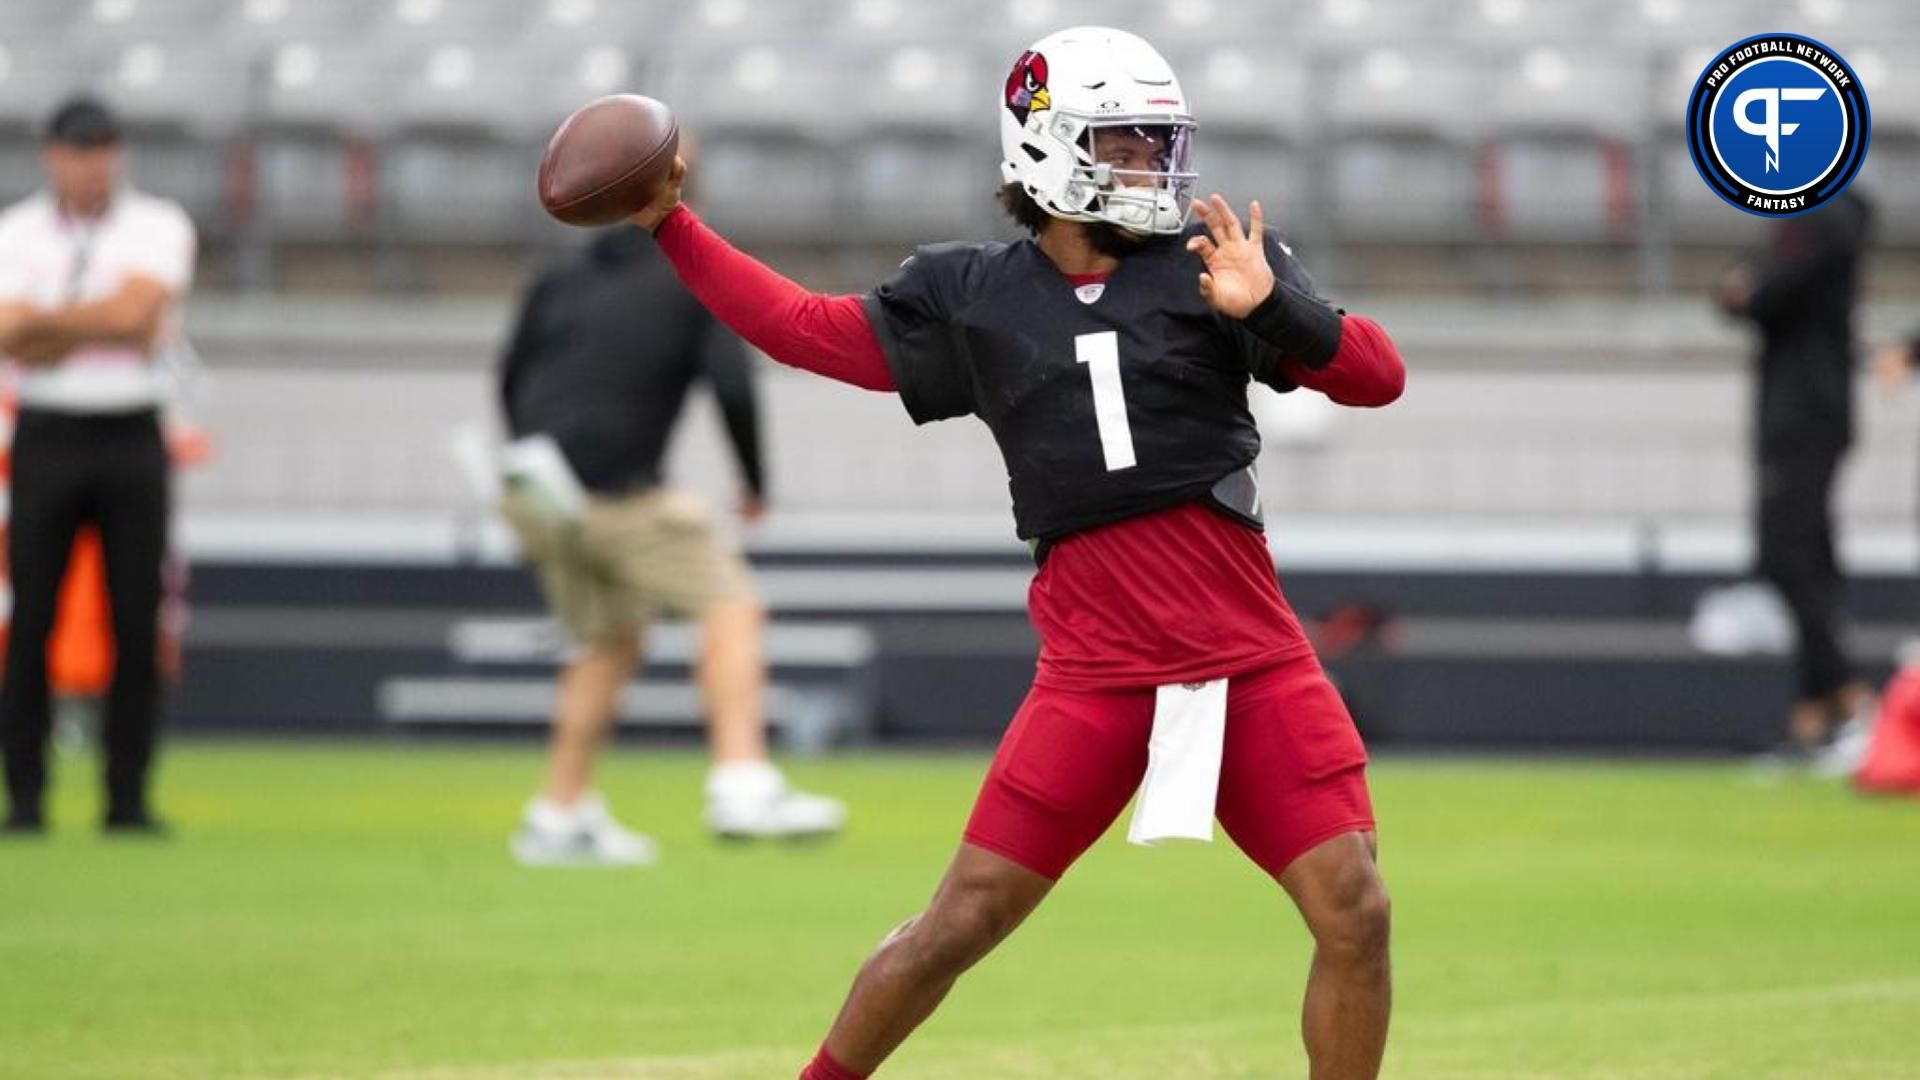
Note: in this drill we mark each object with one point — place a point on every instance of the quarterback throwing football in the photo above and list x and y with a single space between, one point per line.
1110 353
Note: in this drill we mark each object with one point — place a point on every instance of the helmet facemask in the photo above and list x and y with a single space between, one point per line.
1136 173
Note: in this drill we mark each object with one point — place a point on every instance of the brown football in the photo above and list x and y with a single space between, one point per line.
607 158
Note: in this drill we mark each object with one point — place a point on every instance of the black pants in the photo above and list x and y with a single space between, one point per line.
69 470
1796 556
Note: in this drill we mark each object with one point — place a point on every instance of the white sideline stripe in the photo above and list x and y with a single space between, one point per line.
860 589
530 701
525 640
1315 543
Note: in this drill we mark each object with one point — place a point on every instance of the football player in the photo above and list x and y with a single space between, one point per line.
1110 354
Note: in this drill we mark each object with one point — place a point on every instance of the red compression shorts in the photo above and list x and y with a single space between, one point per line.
1292 774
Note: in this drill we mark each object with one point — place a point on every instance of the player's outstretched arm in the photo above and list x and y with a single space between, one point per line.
1349 358
827 335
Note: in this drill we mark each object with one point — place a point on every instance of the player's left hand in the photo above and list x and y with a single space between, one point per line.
1238 276
753 508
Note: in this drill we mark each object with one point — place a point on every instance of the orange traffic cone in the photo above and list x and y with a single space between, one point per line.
1892 764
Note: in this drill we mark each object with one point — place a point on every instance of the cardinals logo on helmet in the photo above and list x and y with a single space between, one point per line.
1027 86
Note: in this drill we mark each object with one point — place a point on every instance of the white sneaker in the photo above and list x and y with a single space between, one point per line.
584 834
1843 757
753 801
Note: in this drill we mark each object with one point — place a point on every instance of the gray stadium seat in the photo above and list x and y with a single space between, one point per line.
938 89
1565 188
127 22
925 188
1245 169
303 186
1549 88
771 189
1239 89
38 75
414 24
702 23
20 173
1566 169
1406 187
1353 24
456 84
32 23
1401 123
323 84
897 22
180 83
256 26
1388 90
791 90
181 167
456 189
1703 24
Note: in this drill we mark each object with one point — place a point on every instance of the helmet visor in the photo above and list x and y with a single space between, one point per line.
1141 154
1142 172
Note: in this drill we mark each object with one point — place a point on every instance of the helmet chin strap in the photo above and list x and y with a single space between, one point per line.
1141 210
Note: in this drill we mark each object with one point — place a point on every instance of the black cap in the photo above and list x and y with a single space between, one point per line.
83 121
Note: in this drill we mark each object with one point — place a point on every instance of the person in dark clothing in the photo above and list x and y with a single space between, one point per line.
92 273
606 376
1800 294
607 346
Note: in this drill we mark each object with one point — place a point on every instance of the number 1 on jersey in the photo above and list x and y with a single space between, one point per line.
1101 353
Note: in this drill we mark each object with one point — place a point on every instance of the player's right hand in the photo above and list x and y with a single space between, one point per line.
1894 365
664 200
1237 277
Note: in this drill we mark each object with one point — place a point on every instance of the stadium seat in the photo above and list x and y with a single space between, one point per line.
456 188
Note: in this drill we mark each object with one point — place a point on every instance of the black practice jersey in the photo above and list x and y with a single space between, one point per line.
1104 409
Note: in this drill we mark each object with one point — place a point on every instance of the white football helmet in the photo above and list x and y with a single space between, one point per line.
1094 127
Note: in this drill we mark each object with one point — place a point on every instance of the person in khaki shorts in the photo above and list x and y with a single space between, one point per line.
607 345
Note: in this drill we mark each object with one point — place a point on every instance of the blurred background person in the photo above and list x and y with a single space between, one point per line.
91 272
1800 294
607 346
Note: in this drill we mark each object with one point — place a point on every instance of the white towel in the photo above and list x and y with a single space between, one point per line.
1183 764
535 465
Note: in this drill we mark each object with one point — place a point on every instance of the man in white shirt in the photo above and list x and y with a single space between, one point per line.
91 276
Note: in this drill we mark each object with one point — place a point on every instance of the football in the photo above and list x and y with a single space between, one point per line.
606 160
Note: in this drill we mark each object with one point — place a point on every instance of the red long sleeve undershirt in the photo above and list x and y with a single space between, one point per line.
830 335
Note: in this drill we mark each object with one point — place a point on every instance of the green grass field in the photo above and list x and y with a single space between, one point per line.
332 911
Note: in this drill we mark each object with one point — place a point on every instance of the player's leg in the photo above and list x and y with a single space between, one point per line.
670 555
1065 769
747 795
980 901
132 512
584 705
1338 889
1293 796
567 823
733 679
49 477
1795 557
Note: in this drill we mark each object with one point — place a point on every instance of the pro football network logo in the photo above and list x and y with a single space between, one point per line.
1778 124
